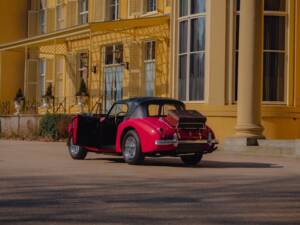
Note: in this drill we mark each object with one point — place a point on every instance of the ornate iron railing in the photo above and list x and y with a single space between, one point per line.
5 107
60 105
31 107
64 105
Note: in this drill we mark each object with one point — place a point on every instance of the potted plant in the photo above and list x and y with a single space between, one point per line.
47 97
19 101
82 95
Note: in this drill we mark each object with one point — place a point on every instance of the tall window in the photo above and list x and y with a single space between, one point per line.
60 18
191 49
149 68
275 50
42 16
42 77
236 48
113 73
83 8
150 5
83 67
113 9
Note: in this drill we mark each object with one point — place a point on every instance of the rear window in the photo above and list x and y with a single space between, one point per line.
161 110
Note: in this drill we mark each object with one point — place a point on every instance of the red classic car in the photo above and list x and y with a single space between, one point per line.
139 127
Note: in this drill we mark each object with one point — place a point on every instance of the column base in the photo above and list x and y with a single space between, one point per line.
242 141
250 132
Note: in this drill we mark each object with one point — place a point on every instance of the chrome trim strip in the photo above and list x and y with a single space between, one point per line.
176 142
166 142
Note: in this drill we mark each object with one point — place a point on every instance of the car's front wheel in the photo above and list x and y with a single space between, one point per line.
191 160
76 151
131 148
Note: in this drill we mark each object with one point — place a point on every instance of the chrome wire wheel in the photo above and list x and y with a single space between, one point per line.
74 149
130 148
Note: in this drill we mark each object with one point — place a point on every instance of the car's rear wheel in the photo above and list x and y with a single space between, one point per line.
191 160
76 152
131 148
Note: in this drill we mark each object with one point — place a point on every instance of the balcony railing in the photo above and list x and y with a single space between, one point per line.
5 107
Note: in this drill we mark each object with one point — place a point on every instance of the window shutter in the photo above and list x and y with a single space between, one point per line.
49 70
50 20
135 56
168 3
59 70
99 10
160 6
31 81
135 65
72 72
72 13
34 5
32 23
107 14
135 8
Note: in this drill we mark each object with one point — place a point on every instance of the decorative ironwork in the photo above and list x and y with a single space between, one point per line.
56 105
95 107
5 107
31 107
60 105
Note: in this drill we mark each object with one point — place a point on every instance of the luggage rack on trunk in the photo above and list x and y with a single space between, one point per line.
188 119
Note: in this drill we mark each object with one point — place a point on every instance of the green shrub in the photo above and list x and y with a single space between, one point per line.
54 126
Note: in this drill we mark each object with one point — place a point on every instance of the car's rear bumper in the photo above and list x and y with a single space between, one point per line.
178 147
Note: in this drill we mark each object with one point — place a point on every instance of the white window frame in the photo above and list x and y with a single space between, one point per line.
116 5
82 69
42 76
113 66
146 4
42 10
58 20
152 60
84 12
235 52
189 17
286 52
114 56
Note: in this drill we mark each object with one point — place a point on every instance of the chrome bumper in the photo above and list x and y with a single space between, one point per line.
178 142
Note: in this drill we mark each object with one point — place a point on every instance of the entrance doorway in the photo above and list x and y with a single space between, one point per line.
113 85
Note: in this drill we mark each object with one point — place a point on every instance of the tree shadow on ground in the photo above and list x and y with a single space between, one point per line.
176 162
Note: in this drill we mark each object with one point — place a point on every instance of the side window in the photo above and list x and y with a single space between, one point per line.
153 110
119 110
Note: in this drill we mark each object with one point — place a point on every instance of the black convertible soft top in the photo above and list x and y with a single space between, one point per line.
139 102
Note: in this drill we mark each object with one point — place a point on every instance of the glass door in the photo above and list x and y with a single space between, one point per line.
113 85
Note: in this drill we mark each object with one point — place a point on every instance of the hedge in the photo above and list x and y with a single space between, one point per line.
54 126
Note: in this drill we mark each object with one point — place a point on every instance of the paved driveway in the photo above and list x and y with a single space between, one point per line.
40 184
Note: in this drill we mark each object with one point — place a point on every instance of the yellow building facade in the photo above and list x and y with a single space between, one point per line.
13 25
248 52
236 61
118 48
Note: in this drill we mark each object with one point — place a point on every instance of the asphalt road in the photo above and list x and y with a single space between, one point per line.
41 184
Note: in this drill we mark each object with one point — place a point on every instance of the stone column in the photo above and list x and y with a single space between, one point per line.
250 67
